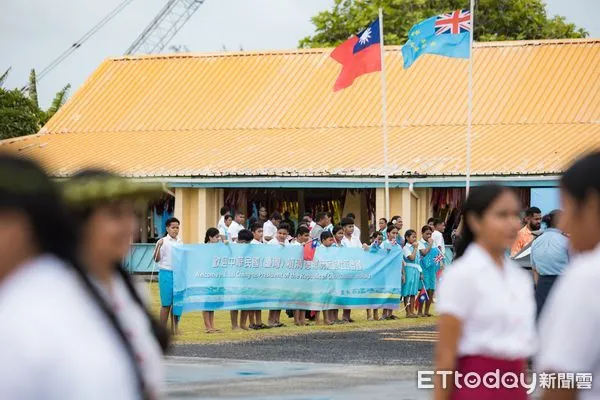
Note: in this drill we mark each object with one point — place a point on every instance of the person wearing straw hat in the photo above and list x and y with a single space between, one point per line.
104 207
60 339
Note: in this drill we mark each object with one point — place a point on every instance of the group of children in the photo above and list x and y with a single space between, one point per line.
421 261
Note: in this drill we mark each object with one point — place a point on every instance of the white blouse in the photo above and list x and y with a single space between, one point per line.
496 306
570 323
166 250
269 230
55 343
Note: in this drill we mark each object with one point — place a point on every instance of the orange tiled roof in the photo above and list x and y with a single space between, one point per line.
536 107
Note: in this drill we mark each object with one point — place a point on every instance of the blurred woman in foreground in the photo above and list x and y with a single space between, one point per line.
103 205
59 338
570 320
486 302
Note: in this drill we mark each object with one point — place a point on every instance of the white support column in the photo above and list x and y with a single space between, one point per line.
178 211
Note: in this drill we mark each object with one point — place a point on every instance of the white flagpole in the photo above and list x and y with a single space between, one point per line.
384 118
470 105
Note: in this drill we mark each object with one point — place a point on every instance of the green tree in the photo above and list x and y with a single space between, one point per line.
20 113
494 20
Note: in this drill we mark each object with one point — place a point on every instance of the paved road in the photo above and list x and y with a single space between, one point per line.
320 366
412 346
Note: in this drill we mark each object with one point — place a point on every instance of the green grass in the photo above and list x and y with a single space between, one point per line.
191 327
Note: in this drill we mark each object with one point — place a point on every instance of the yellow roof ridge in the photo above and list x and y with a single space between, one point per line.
508 43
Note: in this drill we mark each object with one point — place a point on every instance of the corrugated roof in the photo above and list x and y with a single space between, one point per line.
536 107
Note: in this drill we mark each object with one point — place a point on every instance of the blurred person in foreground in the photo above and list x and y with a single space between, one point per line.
59 339
104 208
485 302
570 321
549 257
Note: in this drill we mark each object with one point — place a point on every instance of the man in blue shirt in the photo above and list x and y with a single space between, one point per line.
549 257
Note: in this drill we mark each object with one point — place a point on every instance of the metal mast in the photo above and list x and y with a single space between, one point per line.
164 26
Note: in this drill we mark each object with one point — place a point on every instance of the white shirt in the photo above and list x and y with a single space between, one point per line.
221 225
55 342
165 252
254 241
269 230
312 224
137 327
438 240
234 230
496 306
356 232
353 242
275 241
570 323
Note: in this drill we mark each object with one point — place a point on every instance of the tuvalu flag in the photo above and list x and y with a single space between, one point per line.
358 55
445 35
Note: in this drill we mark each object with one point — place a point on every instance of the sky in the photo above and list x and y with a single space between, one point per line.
35 32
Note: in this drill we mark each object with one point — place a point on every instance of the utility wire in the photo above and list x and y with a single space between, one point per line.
58 60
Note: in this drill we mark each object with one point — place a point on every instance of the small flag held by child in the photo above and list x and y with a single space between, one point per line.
422 297
309 249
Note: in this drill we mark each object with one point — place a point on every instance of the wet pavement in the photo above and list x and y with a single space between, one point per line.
321 366
193 378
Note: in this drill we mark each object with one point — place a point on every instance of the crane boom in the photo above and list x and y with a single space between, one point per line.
164 26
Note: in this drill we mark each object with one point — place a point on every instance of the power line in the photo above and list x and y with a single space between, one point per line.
58 60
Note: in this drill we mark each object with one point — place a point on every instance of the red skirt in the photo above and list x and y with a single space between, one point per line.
482 365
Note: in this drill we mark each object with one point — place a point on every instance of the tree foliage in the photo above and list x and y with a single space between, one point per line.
20 113
494 20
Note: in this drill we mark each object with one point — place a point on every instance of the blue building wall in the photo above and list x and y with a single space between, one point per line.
546 199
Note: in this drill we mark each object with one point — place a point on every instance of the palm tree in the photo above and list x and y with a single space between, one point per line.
20 113
59 98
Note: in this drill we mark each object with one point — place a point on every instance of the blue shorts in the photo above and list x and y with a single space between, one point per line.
165 287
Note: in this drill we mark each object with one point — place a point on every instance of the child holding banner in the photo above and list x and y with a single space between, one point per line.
283 230
338 235
429 264
257 233
244 237
376 242
212 236
162 255
390 243
329 316
302 237
349 241
256 315
411 272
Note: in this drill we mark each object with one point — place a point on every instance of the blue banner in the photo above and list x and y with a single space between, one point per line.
268 277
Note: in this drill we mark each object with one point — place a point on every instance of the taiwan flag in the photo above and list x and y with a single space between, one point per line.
422 297
309 249
358 55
